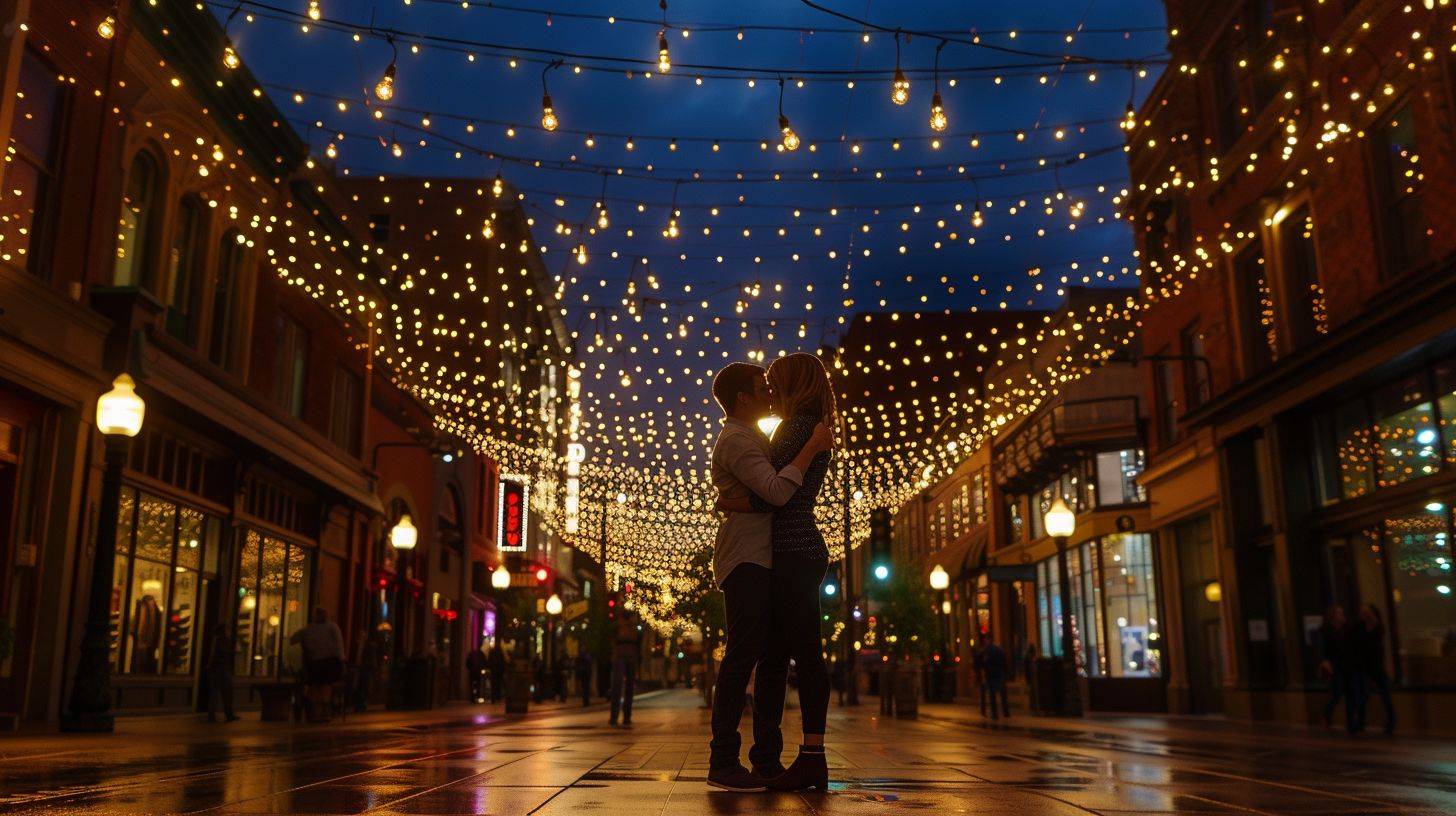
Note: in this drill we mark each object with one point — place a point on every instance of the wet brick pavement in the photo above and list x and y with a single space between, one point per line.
568 761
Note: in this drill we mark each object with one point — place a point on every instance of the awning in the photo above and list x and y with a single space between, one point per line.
964 556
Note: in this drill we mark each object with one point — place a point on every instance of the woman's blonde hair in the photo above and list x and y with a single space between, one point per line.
801 386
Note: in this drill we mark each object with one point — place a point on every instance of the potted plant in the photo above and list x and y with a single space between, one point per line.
908 629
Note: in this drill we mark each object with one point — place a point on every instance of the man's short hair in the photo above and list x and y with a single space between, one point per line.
732 380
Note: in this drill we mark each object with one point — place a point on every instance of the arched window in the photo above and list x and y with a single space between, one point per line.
137 225
184 269
230 258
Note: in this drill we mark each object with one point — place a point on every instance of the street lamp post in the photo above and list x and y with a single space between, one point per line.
1060 522
939 581
851 680
553 611
119 415
402 537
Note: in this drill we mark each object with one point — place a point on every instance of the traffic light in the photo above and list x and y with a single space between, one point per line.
611 609
880 543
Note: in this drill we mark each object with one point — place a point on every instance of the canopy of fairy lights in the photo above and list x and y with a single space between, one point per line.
632 197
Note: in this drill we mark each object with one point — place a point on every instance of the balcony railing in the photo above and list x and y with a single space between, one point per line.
1054 437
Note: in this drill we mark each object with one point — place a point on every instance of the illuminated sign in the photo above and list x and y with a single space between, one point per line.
510 529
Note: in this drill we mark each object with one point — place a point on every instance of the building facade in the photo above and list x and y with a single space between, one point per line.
159 222
1297 265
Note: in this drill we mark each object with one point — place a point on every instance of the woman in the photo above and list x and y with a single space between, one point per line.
803 397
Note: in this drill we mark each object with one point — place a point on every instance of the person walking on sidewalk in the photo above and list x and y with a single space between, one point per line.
1369 653
994 665
219 671
1338 664
496 664
475 670
323 663
584 675
626 658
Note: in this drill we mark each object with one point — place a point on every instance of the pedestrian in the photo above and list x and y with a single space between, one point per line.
219 671
496 665
994 665
1337 664
584 675
323 663
475 671
626 659
1369 639
978 671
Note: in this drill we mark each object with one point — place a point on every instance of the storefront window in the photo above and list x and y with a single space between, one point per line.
1406 440
1352 450
1049 608
1086 611
159 581
1418 547
1129 592
273 591
1117 473
1446 405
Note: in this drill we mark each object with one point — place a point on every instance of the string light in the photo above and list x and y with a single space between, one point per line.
230 59
498 186
938 121
106 29
581 254
315 13
790 140
664 58
548 114
900 86
384 88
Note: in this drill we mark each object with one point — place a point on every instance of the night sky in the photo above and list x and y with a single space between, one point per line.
442 83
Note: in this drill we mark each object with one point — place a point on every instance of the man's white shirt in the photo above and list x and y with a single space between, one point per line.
741 466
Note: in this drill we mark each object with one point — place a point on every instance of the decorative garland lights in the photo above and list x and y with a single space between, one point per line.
772 238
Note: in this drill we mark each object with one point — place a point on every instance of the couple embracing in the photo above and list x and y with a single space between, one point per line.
769 559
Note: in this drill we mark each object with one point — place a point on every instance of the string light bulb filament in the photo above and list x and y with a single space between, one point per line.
664 58
548 115
900 88
791 139
230 58
106 29
384 89
937 114
314 12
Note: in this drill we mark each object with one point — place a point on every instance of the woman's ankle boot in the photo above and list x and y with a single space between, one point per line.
809 770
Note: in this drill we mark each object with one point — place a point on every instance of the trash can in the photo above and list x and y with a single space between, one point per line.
907 692
519 679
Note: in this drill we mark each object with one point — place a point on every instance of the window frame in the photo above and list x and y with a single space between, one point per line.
42 226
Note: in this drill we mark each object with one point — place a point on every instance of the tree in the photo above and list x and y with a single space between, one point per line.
907 618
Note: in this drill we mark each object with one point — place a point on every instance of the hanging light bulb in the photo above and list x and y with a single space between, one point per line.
664 59
488 230
548 116
1129 119
976 219
498 187
396 149
230 58
602 222
106 29
581 254
384 89
937 113
314 12
791 139
672 230
331 151
900 88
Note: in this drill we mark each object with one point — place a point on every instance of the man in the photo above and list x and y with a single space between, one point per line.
584 675
496 665
994 664
323 662
475 670
626 658
742 564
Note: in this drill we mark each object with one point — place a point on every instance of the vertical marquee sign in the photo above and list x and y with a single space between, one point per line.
511 512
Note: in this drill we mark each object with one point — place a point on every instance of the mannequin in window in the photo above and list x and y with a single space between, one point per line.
146 635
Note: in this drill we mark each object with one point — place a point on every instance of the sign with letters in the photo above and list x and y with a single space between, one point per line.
511 512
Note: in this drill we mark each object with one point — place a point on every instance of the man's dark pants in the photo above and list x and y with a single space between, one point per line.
748 601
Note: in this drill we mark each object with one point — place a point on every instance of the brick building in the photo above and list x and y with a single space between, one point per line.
160 218
1289 172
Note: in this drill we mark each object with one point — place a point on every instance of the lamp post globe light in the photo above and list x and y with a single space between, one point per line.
553 605
119 416
940 581
500 577
939 578
404 534
1060 523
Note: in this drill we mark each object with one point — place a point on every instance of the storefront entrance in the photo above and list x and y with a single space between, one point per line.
1201 596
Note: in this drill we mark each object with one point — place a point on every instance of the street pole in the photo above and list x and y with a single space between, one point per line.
90 708
851 679
1072 698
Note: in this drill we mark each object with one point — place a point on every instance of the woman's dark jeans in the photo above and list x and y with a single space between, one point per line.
795 635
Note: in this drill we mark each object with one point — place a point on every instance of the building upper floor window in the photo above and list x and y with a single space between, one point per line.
1196 386
1400 181
1256 308
345 410
185 269
225 285
290 365
28 202
137 224
1302 276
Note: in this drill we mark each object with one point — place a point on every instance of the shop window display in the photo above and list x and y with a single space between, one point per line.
1418 549
273 596
159 580
1129 594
